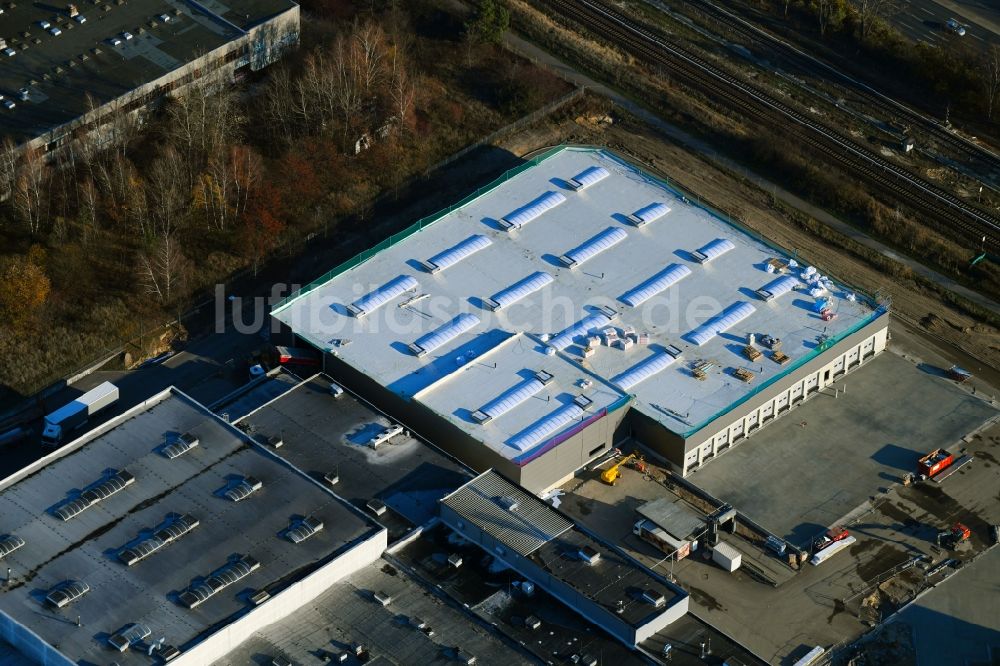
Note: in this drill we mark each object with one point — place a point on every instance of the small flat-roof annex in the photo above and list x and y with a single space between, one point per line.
654 283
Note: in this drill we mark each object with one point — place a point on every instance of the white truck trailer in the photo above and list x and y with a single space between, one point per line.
75 414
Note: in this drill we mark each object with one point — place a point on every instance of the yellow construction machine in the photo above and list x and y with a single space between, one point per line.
611 475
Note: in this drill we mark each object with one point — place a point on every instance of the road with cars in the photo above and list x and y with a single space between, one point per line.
927 21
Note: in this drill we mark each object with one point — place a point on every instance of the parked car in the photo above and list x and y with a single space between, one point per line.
955 27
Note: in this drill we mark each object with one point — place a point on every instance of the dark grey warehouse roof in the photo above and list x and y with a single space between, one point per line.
508 513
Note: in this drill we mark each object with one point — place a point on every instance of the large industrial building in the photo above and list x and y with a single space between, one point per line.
68 69
169 534
575 302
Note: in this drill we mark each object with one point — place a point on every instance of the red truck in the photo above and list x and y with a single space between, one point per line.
935 462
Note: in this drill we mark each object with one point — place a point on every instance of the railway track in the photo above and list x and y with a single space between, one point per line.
700 74
888 107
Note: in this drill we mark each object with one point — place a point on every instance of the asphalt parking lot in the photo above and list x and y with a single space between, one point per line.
807 470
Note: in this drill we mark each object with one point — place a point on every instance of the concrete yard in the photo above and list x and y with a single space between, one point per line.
815 465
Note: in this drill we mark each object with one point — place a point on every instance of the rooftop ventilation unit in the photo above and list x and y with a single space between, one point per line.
444 334
588 555
244 489
379 297
721 322
777 287
300 530
650 213
129 635
587 177
594 246
508 400
643 370
66 593
546 428
220 579
385 435
713 250
383 598
662 281
518 290
521 216
9 544
565 338
654 598
174 529
96 493
181 445
455 254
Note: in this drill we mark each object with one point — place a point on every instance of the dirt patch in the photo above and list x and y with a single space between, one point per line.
705 599
898 512
885 558
986 455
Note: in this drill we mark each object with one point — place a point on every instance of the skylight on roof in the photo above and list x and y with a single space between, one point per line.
713 250
444 334
666 278
650 213
643 370
594 246
565 338
589 176
453 255
777 287
530 211
721 322
518 290
96 493
379 297
546 428
508 400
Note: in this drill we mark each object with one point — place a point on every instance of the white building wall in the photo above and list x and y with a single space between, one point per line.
30 644
286 602
801 389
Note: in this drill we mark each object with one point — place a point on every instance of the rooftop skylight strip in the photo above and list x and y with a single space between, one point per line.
379 297
444 334
663 280
720 323
518 290
453 255
594 246
546 428
530 211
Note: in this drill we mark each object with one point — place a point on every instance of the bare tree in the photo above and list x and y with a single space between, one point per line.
202 123
829 13
347 93
162 270
8 167
991 77
279 103
370 55
167 191
871 11
401 88
89 204
30 192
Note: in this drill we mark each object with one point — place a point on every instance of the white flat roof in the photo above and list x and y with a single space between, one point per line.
378 343
547 383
